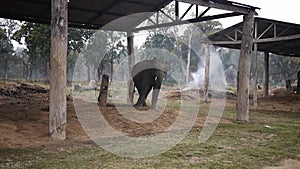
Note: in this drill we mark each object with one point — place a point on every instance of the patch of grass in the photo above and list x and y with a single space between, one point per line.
235 145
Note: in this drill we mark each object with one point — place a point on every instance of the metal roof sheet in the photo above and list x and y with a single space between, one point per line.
91 14
273 36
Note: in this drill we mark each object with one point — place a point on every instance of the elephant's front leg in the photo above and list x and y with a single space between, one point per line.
143 95
155 94
156 89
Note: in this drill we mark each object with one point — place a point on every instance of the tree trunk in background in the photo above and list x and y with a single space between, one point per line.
111 68
179 54
266 74
99 73
88 73
6 72
58 58
242 104
289 88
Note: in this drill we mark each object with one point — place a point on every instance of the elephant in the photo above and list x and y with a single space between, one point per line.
148 75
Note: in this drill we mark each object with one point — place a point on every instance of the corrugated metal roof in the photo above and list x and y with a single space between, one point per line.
273 36
94 14
82 13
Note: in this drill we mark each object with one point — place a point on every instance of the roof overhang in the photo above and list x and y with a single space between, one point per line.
94 14
271 36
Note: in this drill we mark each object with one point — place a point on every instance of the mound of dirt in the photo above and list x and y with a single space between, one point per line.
22 90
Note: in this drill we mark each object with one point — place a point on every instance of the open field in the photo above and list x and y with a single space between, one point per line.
272 137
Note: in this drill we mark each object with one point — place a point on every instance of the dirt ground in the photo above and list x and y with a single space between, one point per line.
24 114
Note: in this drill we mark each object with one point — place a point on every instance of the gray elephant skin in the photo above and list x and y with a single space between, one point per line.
148 75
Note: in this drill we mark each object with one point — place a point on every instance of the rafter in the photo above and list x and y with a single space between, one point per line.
189 8
228 5
188 21
204 12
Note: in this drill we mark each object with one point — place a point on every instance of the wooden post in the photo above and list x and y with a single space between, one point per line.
298 83
207 67
242 104
255 69
58 102
266 74
189 57
131 60
102 98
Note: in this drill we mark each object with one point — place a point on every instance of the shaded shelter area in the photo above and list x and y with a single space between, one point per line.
272 36
94 14
269 36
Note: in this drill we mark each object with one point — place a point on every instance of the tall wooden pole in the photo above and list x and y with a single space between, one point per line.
58 102
242 104
206 78
255 68
189 57
102 98
266 74
131 61
298 83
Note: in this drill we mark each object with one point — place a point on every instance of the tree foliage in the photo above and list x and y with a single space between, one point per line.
37 38
283 69
103 50
6 53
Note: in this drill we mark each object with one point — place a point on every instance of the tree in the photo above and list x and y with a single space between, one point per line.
283 68
105 48
160 41
6 53
77 41
37 40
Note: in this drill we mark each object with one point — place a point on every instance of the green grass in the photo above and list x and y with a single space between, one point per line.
233 145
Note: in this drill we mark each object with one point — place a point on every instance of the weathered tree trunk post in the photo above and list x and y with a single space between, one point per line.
255 69
207 67
58 102
298 83
242 104
131 60
266 74
102 98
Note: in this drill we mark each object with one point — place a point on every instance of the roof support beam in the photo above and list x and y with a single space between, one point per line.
188 21
266 40
186 11
204 12
229 7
